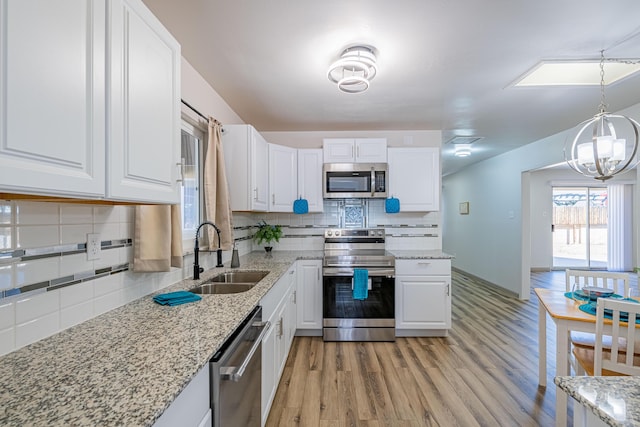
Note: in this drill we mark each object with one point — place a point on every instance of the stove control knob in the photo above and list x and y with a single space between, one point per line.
380 233
337 233
329 233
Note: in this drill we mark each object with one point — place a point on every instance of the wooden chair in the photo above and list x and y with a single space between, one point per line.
599 360
619 282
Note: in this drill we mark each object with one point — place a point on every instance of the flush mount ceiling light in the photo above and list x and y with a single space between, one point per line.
354 70
462 144
462 150
600 149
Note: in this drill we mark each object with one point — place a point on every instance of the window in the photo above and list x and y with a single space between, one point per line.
192 147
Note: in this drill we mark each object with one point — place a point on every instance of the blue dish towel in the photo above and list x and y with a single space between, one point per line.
176 298
360 284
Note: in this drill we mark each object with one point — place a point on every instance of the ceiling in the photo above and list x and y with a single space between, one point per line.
442 65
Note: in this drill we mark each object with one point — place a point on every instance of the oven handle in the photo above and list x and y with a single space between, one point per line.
230 372
348 272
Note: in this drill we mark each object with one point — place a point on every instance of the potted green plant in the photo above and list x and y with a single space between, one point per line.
267 233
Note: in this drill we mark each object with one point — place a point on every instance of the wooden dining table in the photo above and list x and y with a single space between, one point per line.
567 317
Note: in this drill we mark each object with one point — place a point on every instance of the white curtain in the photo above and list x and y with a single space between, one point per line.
620 227
216 191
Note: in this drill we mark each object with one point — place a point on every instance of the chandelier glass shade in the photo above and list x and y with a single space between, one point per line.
606 144
354 70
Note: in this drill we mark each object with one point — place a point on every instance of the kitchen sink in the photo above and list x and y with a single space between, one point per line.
232 282
239 277
222 288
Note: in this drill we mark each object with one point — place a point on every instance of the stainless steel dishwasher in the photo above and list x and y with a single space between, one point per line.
236 375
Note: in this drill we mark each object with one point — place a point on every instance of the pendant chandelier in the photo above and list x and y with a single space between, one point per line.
600 149
354 70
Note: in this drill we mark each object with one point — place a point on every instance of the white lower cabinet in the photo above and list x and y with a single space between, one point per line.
423 297
279 308
309 297
192 406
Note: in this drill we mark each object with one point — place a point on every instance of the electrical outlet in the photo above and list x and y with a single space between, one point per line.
93 246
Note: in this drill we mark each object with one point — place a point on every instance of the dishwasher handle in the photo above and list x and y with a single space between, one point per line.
230 373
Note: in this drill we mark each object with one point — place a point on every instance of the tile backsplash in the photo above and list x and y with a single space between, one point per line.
28 228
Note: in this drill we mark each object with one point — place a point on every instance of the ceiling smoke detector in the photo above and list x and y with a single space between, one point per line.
354 70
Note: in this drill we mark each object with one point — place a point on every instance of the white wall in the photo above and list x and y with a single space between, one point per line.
488 242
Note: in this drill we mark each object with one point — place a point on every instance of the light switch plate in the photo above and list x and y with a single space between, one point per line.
93 246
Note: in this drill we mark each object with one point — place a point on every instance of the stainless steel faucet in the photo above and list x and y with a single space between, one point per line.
196 250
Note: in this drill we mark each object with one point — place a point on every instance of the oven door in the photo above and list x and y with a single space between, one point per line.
349 319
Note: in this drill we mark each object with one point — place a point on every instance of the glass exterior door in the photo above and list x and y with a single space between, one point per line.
580 221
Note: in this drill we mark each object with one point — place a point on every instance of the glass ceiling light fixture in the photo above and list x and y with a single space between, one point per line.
462 150
354 70
599 150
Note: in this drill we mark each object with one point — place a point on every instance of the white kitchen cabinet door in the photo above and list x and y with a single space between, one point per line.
309 295
269 382
191 407
310 178
423 302
52 108
144 106
371 150
283 177
414 178
246 163
355 150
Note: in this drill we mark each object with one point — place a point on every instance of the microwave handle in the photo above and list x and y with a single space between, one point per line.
373 181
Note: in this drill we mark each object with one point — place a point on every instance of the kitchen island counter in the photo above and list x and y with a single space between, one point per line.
127 366
419 254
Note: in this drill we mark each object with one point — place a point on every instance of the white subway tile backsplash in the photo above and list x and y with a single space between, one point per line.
76 263
76 214
108 258
108 302
75 314
70 234
37 236
32 213
35 271
7 340
106 214
37 306
77 294
37 329
6 277
108 231
7 315
108 284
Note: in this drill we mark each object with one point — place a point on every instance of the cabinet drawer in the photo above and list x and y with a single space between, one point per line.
423 266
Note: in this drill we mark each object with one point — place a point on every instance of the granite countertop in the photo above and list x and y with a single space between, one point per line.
128 365
615 400
420 254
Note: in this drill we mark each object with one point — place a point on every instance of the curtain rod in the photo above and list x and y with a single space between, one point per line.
194 110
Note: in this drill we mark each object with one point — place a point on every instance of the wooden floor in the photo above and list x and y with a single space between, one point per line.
485 373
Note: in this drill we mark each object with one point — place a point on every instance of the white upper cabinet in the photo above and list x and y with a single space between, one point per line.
144 106
414 178
86 117
355 150
283 177
310 178
52 108
246 163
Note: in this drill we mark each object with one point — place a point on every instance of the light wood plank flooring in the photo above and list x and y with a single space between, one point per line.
483 374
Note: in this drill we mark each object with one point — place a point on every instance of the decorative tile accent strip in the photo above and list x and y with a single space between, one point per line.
61 282
19 255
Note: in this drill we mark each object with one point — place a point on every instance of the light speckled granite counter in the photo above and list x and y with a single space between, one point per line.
127 366
420 254
615 400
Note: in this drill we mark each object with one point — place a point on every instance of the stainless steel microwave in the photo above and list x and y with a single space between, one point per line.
355 180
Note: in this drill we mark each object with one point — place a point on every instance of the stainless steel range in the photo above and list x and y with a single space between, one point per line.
346 318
